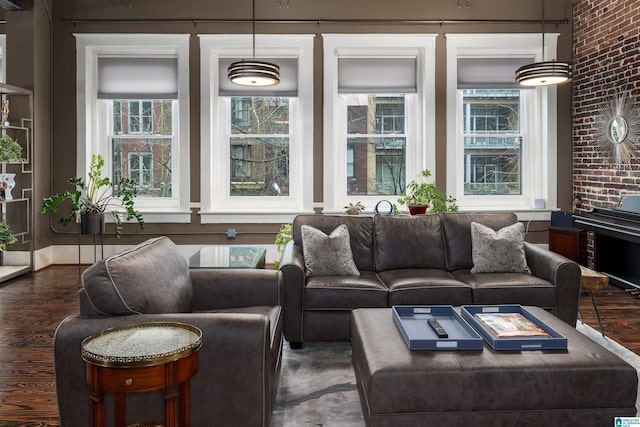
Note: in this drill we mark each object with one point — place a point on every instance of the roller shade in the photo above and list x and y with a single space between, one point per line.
490 73
288 86
377 75
137 78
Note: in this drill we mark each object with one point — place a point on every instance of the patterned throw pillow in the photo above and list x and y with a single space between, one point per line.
499 251
328 255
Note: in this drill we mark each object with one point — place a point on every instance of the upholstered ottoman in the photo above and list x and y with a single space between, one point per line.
585 385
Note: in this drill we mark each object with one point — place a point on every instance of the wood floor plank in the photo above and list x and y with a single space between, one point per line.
31 306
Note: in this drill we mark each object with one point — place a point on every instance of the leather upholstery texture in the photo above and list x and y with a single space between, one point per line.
414 260
240 315
586 384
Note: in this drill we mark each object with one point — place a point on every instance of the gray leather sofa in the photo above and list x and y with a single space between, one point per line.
238 312
419 260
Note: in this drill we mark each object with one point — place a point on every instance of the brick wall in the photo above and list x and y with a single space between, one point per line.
606 60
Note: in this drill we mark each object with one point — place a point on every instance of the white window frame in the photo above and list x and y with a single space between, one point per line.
3 57
420 111
217 204
539 123
91 128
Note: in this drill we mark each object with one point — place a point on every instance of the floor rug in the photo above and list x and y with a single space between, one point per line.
318 387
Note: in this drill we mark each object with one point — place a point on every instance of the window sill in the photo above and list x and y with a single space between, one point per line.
249 217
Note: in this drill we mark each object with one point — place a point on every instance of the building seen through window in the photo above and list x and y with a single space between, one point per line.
376 144
141 141
259 144
493 139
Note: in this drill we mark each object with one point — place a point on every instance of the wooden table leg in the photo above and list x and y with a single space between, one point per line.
96 397
185 414
170 395
120 409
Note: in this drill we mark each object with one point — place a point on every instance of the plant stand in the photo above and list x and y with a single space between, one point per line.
93 225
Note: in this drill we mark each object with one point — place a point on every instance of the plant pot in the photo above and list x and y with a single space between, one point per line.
92 223
417 209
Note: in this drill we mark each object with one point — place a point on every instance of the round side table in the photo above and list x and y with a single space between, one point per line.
140 358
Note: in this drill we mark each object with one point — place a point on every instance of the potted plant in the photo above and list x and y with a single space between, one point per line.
282 238
10 150
93 198
6 236
422 197
354 208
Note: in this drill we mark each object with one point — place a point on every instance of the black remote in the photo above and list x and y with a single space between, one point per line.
437 328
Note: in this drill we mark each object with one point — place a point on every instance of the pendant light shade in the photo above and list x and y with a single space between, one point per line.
544 73
254 72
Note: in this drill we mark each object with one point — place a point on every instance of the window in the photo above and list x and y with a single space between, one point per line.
259 141
256 142
501 137
493 140
145 138
133 110
376 144
379 127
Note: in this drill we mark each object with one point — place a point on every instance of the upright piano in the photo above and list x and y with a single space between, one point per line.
616 240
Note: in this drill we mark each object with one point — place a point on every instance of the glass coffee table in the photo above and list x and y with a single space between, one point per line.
228 257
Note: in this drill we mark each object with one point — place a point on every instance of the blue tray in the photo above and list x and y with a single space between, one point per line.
412 322
554 342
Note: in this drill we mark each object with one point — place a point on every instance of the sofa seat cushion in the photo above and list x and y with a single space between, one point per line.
425 286
345 292
509 288
152 277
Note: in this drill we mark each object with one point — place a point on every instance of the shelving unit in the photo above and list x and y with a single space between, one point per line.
18 211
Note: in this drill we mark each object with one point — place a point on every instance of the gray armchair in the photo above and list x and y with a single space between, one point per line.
238 312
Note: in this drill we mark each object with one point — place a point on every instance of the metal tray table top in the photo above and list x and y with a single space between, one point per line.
141 344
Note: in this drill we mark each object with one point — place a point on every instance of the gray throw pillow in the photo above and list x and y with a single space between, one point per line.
328 255
152 277
499 251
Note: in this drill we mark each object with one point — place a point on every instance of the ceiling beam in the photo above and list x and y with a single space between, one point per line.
14 4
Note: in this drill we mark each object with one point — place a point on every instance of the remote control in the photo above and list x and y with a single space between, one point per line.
437 328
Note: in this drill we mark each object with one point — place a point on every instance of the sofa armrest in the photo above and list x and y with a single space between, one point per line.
293 280
230 386
231 288
561 272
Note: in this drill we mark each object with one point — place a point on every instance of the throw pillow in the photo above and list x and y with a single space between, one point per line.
499 251
328 255
152 277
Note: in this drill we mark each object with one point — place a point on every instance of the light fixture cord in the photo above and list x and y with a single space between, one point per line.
254 30
542 3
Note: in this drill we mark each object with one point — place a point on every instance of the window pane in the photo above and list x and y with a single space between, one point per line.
259 166
260 116
376 164
492 142
143 149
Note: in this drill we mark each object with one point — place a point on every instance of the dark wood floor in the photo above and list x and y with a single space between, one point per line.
31 307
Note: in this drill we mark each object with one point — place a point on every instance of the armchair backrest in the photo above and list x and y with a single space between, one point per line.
152 277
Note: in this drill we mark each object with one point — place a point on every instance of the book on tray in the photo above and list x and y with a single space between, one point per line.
508 325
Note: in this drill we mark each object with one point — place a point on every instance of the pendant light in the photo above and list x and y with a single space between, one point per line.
254 72
544 73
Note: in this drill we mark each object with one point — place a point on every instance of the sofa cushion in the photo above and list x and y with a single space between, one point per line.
345 292
499 251
412 286
328 255
152 277
360 233
457 234
408 242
